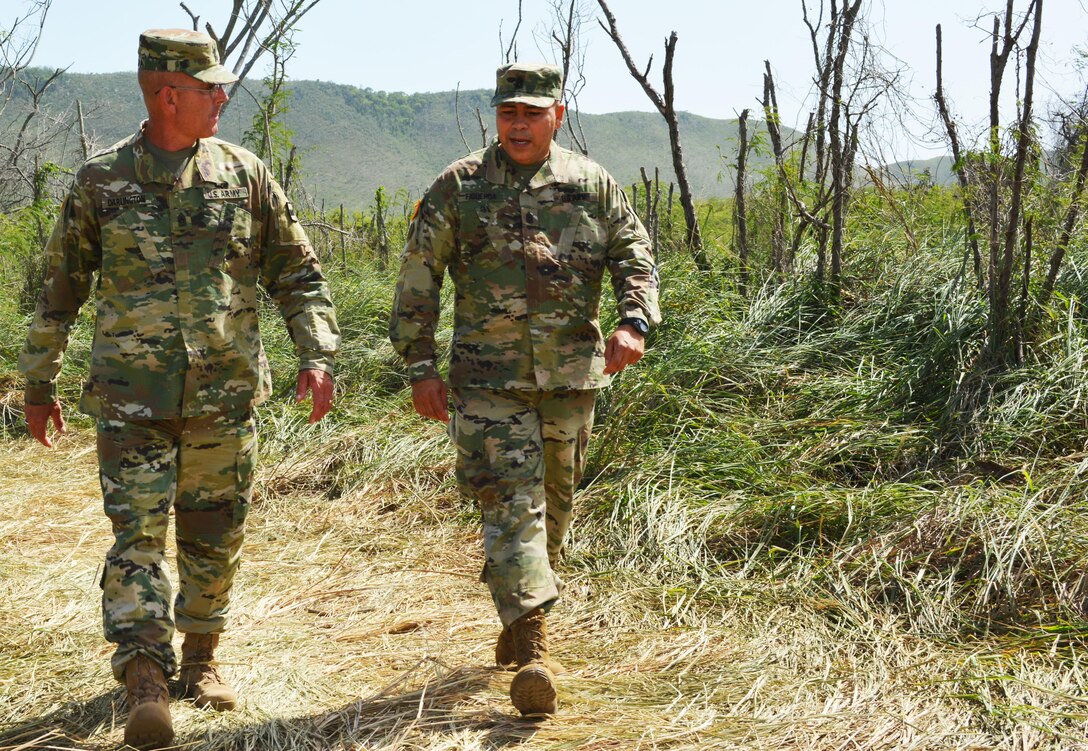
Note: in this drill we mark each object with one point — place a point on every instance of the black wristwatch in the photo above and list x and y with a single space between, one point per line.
637 324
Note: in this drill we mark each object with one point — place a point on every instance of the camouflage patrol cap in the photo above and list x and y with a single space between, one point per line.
183 51
535 84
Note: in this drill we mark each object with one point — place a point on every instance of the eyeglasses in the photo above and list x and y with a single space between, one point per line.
216 88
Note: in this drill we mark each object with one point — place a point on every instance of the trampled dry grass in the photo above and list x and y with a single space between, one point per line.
359 623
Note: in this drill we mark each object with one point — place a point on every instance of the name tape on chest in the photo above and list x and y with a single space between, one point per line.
133 200
225 194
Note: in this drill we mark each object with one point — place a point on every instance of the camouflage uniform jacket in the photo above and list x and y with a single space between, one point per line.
178 261
526 267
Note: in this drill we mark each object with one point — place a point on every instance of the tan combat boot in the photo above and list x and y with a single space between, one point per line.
149 724
199 677
507 660
533 689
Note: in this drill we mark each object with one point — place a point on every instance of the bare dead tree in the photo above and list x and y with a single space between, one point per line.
20 137
287 170
665 105
781 185
647 185
564 36
652 190
1005 333
33 133
1072 213
18 45
843 135
740 210
457 115
511 52
774 130
381 205
483 127
849 81
253 28
84 141
958 164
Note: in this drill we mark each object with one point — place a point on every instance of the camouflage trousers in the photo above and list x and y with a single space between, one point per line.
201 468
520 455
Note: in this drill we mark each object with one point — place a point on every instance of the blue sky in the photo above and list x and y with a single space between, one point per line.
436 45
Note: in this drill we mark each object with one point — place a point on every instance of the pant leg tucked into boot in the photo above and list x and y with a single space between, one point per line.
507 659
200 678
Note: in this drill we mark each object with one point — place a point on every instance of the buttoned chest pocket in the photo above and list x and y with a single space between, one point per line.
489 235
131 253
233 252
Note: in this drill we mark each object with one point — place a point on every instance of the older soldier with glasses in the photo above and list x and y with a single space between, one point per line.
180 228
525 230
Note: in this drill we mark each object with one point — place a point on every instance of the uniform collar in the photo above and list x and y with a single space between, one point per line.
499 169
148 169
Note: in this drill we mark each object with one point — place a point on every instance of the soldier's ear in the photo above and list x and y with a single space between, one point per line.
166 98
559 111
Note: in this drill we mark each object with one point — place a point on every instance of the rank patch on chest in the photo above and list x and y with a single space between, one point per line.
133 200
225 194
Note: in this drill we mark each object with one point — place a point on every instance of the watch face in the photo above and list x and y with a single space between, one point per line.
637 324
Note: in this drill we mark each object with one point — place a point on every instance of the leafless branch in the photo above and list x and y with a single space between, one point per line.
511 53
193 16
457 115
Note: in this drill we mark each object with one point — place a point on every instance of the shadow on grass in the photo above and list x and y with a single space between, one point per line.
71 725
443 704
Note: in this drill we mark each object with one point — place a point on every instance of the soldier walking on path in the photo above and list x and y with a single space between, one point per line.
525 230
180 228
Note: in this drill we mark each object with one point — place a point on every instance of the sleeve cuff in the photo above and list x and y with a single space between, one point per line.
40 394
421 370
314 360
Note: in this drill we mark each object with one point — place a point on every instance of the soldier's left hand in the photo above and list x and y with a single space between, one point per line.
320 385
623 348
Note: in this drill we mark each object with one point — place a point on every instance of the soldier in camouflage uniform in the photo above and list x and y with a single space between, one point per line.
525 230
180 228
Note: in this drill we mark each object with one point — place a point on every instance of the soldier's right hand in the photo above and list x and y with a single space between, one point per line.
431 399
38 417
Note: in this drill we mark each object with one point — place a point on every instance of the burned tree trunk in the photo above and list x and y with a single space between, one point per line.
842 144
1005 332
958 165
1071 215
665 106
740 210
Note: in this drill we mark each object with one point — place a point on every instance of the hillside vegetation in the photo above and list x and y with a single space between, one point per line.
354 140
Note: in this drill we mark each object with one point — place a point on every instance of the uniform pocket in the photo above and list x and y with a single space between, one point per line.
485 234
581 244
233 253
129 254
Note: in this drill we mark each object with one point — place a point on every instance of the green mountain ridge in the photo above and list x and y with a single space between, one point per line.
353 140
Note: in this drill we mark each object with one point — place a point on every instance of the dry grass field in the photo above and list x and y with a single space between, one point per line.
359 623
